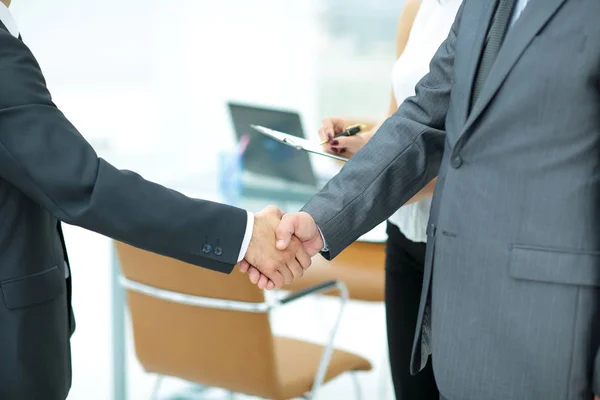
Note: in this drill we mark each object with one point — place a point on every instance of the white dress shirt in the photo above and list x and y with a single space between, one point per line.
10 24
429 29
519 7
8 21
247 236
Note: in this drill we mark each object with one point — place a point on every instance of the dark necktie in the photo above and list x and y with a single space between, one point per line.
491 47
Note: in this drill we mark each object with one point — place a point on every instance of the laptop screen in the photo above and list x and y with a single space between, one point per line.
265 156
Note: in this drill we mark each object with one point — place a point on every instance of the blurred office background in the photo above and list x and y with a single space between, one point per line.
146 82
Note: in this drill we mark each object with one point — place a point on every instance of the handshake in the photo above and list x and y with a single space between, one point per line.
281 247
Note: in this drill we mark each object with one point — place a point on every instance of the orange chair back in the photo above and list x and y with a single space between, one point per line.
217 348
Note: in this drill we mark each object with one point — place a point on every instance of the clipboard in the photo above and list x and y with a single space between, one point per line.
295 142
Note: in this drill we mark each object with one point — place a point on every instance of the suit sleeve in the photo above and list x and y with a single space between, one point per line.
401 158
47 159
596 377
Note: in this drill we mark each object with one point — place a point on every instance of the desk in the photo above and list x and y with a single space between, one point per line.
371 242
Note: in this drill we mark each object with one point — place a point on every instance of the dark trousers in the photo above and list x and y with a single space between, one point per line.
404 266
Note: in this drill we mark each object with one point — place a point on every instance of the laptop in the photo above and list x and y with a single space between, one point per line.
277 171
267 161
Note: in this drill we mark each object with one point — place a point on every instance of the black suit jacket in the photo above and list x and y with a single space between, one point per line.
49 174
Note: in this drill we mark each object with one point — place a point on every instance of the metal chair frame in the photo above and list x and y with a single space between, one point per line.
252 307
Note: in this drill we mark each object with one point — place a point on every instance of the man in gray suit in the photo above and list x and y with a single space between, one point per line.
509 119
49 174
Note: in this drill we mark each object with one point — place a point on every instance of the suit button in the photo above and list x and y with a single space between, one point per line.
218 251
206 249
456 162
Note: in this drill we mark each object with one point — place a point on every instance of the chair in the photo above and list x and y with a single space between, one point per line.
360 267
213 329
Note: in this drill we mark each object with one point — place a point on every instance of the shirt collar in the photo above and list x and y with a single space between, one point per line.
8 20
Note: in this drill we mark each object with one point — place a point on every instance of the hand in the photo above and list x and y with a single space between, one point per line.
256 277
302 226
272 267
345 146
293 229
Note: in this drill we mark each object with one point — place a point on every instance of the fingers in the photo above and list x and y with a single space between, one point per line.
263 282
322 134
300 254
244 266
285 230
272 264
302 226
347 145
299 224
278 278
288 276
332 126
327 131
254 275
259 279
295 268
303 258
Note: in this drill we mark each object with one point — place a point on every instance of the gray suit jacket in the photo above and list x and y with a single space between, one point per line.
510 307
49 174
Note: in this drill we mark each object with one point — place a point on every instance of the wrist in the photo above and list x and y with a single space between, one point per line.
319 237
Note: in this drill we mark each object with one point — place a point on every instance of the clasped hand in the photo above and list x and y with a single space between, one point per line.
281 247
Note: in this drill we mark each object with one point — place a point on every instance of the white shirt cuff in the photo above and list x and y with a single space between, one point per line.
247 236
325 248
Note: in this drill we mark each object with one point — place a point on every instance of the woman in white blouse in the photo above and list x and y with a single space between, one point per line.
423 26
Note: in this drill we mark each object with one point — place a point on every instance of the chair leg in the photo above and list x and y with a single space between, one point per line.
156 388
329 348
357 386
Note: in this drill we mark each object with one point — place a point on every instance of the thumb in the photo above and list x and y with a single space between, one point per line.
285 230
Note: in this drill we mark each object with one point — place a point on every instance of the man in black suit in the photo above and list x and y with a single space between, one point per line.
49 174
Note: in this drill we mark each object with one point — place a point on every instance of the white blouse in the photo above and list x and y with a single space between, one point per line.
430 28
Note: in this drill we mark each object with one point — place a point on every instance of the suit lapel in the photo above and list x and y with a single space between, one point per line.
530 22
473 44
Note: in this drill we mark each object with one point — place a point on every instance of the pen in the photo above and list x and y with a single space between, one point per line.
350 131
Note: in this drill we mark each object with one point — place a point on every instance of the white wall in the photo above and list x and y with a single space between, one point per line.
145 81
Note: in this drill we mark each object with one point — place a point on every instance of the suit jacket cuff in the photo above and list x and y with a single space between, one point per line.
315 213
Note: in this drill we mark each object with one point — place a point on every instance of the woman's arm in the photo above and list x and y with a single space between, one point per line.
348 146
404 27
405 23
425 193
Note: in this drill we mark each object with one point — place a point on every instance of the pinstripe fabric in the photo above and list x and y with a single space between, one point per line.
513 250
